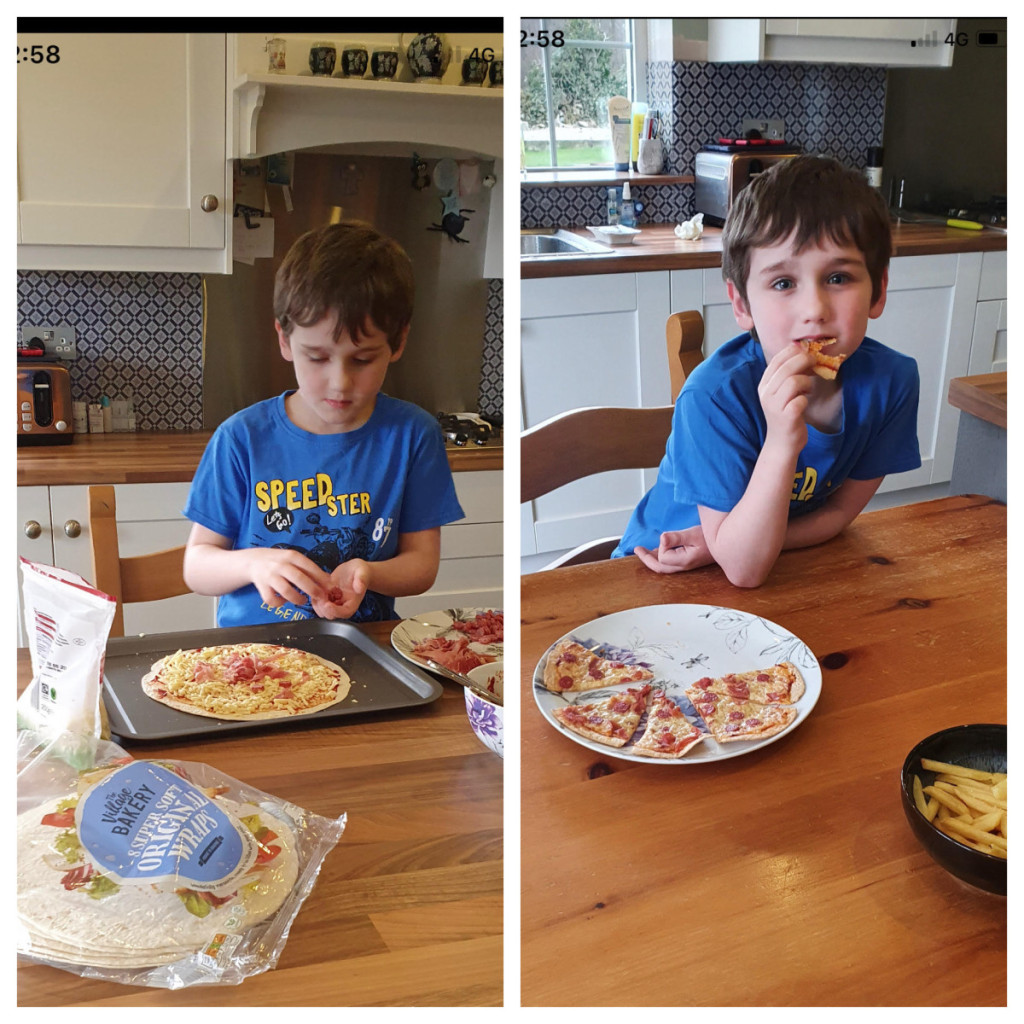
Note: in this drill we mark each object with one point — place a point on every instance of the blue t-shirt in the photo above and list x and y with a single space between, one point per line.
719 428
264 482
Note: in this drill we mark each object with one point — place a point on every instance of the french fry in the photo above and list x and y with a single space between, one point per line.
966 804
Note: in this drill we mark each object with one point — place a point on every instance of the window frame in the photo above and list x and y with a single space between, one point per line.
637 47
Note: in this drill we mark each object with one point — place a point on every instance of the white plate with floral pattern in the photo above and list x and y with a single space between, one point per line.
681 643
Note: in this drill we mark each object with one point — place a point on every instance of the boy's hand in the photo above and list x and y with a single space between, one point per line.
281 575
678 550
348 584
785 385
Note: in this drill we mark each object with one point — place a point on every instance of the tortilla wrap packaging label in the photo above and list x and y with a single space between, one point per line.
157 872
67 622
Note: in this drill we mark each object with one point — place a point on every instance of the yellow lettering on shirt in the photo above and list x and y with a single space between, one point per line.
262 496
310 493
292 500
810 480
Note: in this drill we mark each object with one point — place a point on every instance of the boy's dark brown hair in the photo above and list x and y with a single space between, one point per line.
349 269
817 198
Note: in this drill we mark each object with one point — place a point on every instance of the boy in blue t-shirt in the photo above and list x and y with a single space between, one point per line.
327 500
764 454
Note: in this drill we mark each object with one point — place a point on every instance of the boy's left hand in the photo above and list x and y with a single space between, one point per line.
348 585
678 550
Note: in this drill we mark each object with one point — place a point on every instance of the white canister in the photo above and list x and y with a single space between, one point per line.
650 157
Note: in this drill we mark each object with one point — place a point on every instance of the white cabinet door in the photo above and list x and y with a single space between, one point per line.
149 519
585 341
471 571
894 42
122 153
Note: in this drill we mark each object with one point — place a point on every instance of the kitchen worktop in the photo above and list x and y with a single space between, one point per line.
657 248
983 395
162 457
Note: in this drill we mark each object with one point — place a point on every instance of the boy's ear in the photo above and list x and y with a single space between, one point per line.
740 310
879 304
284 341
397 352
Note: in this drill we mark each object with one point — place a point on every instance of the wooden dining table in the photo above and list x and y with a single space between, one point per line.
407 909
788 876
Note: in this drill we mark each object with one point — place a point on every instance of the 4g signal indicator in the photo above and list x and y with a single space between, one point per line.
984 37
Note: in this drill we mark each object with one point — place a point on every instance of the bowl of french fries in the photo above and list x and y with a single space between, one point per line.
954 797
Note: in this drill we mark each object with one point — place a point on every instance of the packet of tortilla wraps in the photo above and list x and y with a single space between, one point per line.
67 622
158 872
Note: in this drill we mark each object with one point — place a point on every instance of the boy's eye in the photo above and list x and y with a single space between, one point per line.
838 278
783 284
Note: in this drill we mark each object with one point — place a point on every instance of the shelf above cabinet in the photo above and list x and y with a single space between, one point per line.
277 113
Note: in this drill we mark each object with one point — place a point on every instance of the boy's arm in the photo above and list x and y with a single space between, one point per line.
212 566
833 516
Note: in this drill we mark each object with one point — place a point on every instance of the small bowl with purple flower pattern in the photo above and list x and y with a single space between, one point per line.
486 716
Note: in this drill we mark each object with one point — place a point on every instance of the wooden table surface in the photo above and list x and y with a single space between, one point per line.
658 248
983 395
407 910
788 876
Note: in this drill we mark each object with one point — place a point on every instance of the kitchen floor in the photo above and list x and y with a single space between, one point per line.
889 499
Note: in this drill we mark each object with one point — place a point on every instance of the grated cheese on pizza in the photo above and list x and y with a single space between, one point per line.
246 680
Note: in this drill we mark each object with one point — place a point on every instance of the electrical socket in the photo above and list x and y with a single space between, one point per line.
58 342
769 129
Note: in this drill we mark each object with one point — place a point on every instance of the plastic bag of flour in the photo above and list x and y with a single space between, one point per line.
67 622
157 872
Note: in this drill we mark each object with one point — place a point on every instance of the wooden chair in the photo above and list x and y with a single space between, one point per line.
582 442
141 578
684 336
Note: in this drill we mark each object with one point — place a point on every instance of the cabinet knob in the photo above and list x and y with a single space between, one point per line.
208 203
33 530
73 528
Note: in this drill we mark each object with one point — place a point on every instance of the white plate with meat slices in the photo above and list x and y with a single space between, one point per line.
674 647
453 641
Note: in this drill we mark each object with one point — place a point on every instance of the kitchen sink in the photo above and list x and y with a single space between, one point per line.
562 243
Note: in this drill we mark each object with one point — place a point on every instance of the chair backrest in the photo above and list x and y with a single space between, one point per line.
150 577
684 337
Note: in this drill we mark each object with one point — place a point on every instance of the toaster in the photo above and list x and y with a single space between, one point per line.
44 403
719 177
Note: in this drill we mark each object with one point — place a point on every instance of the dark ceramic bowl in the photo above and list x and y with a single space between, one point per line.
974 746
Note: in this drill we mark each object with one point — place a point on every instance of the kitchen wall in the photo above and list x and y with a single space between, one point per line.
829 108
142 334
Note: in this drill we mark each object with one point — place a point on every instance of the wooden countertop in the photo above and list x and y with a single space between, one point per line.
407 910
789 875
983 395
657 248
162 457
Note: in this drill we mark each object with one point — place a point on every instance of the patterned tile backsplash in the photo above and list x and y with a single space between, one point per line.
138 335
141 335
836 109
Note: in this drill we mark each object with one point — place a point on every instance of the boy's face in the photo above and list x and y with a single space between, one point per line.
822 292
338 381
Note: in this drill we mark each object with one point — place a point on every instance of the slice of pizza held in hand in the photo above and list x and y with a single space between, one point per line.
571 668
824 365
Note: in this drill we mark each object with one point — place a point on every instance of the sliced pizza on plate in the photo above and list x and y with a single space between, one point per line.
729 719
612 720
571 668
779 684
668 732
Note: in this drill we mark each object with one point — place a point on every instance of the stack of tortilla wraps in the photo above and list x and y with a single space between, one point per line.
70 913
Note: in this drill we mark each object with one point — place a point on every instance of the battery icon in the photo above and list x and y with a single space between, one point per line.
991 37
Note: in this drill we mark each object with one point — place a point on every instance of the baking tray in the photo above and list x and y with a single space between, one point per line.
381 681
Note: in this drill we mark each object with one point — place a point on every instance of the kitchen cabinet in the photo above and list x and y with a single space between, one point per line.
876 41
470 574
599 340
122 153
988 341
54 530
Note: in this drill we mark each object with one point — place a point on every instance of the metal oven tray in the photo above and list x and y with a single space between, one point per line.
381 681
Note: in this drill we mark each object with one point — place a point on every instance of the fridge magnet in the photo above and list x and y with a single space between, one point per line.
420 178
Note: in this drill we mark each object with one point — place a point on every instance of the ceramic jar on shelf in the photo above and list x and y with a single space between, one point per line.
429 54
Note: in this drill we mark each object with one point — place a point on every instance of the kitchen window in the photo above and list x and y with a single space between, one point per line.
570 68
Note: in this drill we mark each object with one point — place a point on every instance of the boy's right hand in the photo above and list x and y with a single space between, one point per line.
785 385
282 575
